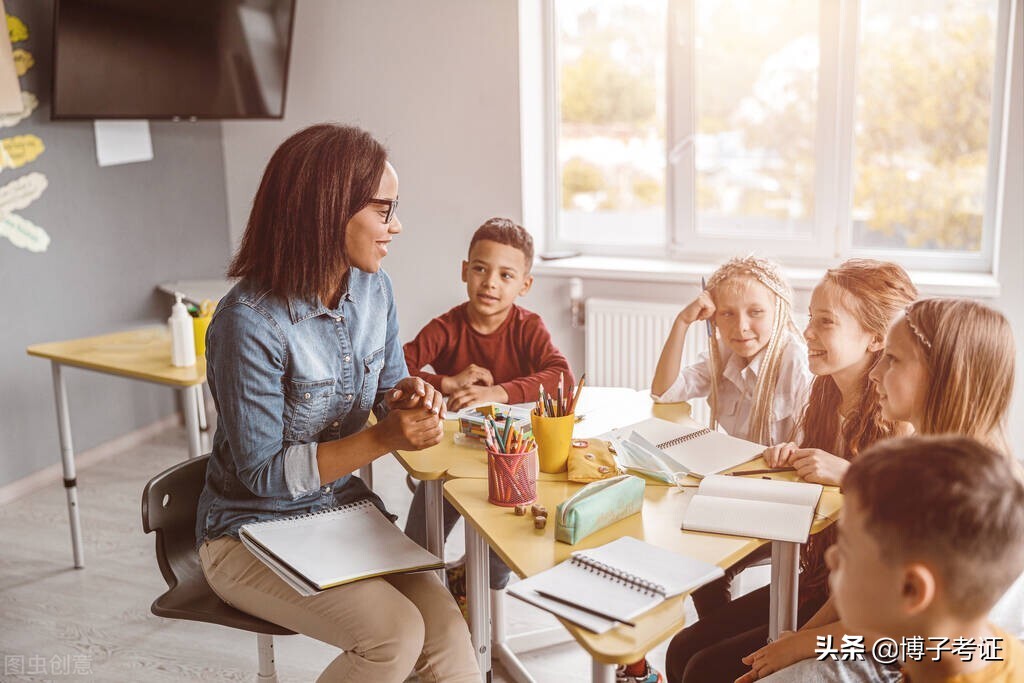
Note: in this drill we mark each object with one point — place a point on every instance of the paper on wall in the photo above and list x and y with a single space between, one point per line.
122 142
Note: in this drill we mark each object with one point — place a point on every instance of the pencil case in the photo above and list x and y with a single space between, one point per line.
591 460
598 505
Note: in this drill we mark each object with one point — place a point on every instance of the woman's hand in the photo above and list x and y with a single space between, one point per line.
815 465
790 648
470 375
779 455
413 392
410 429
700 308
476 394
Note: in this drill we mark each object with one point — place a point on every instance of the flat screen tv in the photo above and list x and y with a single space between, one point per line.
171 59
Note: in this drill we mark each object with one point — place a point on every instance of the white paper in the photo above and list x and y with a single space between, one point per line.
122 142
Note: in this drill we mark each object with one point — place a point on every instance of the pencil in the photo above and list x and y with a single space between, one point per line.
707 321
561 384
768 470
579 390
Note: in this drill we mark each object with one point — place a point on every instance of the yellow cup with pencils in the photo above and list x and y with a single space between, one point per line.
200 323
554 438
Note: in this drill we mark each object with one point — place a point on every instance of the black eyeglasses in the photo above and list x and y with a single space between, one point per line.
392 205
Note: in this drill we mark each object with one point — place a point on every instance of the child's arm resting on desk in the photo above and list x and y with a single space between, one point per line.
545 364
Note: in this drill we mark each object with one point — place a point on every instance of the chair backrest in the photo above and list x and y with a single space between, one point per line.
169 508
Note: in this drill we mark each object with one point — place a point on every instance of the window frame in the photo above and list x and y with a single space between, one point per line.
832 229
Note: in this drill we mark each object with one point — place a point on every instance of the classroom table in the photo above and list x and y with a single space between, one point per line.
602 409
142 354
528 551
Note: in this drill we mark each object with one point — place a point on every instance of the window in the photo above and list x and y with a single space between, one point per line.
806 129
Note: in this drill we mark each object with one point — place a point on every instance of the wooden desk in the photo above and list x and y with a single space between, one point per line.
143 354
603 408
528 551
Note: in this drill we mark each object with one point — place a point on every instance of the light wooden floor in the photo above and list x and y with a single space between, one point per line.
56 621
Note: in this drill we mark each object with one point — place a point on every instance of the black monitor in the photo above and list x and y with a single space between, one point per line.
171 59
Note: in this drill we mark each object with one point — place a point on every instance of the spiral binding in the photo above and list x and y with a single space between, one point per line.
684 438
359 504
631 581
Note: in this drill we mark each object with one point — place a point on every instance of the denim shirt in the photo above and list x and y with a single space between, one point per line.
287 374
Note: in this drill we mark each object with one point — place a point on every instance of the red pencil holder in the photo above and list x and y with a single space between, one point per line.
511 478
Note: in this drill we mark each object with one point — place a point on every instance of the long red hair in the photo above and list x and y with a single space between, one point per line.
876 293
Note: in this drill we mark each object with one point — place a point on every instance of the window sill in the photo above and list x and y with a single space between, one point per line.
930 283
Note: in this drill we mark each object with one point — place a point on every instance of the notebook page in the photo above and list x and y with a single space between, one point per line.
676 573
706 453
340 546
579 617
581 586
756 519
792 492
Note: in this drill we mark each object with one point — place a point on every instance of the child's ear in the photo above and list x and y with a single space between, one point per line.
527 283
465 271
877 344
918 593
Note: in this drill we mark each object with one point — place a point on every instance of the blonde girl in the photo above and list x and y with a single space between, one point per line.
947 368
755 374
850 311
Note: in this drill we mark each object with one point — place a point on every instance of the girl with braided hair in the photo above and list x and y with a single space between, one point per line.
755 373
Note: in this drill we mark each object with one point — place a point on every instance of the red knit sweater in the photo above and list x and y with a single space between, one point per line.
519 354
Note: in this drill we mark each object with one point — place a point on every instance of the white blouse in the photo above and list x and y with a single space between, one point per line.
739 381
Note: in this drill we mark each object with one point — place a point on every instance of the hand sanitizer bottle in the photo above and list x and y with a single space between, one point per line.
183 345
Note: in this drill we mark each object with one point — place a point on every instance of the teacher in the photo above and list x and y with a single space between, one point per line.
298 354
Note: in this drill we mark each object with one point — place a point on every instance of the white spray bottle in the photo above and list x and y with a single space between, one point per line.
183 345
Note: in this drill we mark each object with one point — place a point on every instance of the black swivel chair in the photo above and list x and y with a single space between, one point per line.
169 508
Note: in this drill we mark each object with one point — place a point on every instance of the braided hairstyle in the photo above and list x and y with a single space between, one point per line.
766 273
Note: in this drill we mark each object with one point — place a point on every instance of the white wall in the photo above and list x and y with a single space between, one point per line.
438 82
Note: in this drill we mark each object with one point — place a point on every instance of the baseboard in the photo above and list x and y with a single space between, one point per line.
54 474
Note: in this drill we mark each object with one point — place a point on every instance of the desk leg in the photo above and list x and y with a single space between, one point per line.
67 457
190 404
433 496
601 673
477 580
783 591
201 408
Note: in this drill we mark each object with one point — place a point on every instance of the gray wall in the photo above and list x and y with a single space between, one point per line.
115 233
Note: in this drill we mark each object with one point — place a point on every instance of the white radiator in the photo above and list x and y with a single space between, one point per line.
624 340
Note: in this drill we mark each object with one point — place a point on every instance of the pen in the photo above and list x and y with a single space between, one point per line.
588 610
707 321
769 470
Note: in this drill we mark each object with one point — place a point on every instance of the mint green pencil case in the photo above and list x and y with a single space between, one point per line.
597 505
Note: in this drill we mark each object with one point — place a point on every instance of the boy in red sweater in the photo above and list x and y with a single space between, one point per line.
488 348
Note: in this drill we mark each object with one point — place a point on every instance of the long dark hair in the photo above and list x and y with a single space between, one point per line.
316 181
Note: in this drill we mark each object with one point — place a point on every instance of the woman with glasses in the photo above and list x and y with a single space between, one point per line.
298 354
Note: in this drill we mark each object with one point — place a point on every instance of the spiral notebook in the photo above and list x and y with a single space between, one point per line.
614 583
701 451
314 552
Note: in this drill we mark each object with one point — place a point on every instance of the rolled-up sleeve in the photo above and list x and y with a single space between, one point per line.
693 381
247 356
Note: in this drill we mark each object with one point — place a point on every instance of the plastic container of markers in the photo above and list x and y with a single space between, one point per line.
511 478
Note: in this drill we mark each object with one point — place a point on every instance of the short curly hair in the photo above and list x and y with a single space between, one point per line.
508 232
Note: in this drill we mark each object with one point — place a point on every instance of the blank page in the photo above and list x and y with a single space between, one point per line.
756 519
792 492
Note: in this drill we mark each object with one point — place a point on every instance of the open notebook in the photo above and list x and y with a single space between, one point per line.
321 550
759 508
614 583
697 450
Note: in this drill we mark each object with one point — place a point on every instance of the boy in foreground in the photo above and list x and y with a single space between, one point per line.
930 536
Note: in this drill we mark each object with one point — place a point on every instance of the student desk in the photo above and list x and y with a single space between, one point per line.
143 354
529 551
603 408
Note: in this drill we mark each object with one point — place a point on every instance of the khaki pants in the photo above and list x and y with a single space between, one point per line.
386 626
